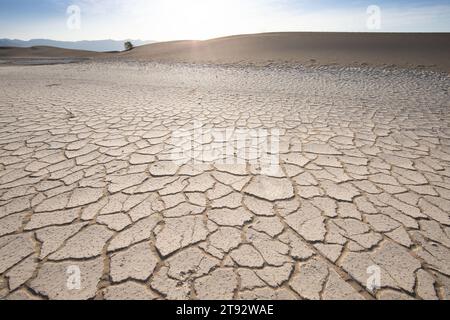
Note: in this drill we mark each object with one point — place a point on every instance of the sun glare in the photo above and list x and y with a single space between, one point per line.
197 19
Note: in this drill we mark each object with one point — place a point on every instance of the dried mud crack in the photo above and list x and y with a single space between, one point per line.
88 183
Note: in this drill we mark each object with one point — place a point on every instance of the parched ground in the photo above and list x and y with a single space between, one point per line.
88 184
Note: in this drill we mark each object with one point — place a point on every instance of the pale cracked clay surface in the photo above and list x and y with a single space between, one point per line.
86 180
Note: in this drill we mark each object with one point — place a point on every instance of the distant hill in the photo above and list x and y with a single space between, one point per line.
97 45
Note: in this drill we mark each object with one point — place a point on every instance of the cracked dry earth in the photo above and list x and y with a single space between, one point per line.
87 181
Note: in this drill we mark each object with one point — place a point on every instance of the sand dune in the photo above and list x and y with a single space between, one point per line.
45 52
403 50
306 48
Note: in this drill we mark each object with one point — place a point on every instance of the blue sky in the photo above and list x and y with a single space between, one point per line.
203 19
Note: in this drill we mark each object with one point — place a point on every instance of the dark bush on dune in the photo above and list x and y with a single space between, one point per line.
128 46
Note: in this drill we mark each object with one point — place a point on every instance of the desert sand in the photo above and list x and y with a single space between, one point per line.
45 52
407 50
350 49
44 56
130 175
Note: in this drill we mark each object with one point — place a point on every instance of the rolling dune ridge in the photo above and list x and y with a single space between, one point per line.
351 49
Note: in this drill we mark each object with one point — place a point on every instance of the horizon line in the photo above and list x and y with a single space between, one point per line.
236 35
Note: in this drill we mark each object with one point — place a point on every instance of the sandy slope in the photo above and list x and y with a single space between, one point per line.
322 48
45 52
405 50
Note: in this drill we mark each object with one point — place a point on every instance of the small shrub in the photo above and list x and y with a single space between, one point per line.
128 46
